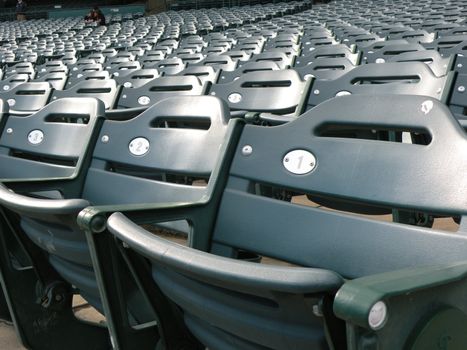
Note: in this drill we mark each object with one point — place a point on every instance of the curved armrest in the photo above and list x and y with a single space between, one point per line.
94 218
355 299
219 270
25 204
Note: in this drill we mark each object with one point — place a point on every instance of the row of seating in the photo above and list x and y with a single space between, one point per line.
92 199
58 162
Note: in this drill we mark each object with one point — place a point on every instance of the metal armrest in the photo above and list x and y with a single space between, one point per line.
355 300
36 206
94 218
219 270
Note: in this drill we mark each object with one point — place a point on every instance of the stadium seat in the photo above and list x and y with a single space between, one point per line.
325 69
229 303
57 80
105 90
132 101
129 154
27 98
414 78
248 67
206 74
49 145
270 92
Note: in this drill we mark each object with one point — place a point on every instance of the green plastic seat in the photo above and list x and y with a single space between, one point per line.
228 303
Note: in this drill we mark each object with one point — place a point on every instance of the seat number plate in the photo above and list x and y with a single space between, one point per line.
299 162
139 146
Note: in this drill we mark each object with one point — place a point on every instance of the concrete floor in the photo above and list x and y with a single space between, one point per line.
8 339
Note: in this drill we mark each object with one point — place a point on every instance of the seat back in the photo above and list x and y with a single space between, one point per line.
280 58
27 98
248 67
168 66
414 78
94 75
388 51
104 90
158 89
136 78
206 74
57 80
123 68
178 137
218 62
276 92
325 69
439 65
49 144
13 81
331 51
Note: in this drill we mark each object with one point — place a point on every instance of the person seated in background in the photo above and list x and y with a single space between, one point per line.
95 15
21 7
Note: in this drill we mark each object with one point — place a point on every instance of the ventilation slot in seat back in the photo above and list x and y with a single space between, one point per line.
374 132
267 84
182 123
409 79
68 118
170 88
30 92
94 90
43 159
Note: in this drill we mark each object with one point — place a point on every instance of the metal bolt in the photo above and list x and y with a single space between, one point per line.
125 245
58 297
316 92
247 150
286 159
105 139
9 131
213 93
461 88
459 65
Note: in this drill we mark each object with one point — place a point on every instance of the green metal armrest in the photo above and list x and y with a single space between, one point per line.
94 218
406 309
356 298
219 270
34 206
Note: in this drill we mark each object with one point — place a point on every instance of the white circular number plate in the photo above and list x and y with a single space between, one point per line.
299 162
144 100
36 137
139 146
235 97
